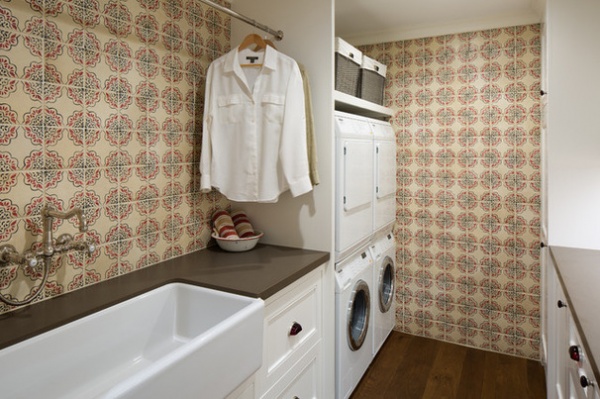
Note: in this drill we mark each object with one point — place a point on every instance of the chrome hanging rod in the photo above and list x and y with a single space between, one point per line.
277 34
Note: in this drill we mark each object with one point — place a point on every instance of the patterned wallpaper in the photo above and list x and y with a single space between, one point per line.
467 119
100 107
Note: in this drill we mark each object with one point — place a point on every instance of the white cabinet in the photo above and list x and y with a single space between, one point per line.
567 364
572 138
301 380
292 364
557 335
579 371
292 341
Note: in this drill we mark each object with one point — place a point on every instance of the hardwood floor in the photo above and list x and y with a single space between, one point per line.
410 367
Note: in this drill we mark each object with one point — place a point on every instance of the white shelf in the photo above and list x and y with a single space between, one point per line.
347 103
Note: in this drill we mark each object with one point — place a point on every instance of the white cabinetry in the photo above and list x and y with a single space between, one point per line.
572 141
557 334
292 341
568 367
292 344
579 371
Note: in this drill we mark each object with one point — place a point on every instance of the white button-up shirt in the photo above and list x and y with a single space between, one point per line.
254 129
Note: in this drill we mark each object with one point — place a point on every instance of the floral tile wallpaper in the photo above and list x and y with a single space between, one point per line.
100 108
467 119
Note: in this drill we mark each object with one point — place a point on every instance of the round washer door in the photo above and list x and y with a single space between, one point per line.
359 309
386 284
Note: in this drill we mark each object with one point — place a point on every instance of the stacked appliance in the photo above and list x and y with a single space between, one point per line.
383 247
383 251
365 213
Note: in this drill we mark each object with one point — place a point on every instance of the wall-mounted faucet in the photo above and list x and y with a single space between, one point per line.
50 246
48 216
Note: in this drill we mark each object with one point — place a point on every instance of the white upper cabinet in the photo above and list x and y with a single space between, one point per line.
573 128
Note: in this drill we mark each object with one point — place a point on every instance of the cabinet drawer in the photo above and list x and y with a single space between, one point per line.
298 305
580 371
302 381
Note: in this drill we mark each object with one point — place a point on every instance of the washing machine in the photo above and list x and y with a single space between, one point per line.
383 252
353 318
384 175
354 184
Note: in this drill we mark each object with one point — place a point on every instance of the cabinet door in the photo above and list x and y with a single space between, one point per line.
582 382
302 380
550 314
292 328
561 348
572 139
557 334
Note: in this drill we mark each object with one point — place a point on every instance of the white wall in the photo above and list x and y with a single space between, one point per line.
306 221
573 116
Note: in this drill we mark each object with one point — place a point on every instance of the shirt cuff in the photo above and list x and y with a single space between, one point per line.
205 185
301 186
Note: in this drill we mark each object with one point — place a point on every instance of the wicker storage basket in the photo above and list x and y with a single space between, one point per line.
372 80
347 67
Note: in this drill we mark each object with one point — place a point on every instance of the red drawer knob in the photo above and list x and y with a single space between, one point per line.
295 330
574 353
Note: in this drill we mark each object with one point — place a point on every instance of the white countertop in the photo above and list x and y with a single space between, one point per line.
579 271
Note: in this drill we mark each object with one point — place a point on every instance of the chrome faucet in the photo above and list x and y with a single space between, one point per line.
48 216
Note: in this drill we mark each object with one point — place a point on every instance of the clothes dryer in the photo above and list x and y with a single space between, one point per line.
354 184
384 175
353 321
383 251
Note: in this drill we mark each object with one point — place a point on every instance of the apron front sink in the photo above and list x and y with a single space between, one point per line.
179 341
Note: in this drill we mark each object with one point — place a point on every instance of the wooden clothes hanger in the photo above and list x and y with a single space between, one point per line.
260 44
255 39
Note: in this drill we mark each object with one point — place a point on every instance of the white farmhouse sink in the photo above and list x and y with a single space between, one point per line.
177 341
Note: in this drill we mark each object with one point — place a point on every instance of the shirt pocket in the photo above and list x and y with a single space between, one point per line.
272 107
231 108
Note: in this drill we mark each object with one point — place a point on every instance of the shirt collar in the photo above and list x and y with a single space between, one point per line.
270 60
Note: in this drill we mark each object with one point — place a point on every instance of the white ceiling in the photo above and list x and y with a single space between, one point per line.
378 21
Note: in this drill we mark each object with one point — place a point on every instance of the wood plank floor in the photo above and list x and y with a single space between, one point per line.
410 367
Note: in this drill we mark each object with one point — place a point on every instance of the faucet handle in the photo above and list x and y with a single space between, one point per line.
86 246
30 259
9 254
91 248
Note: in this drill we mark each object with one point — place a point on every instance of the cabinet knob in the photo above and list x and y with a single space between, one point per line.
574 353
583 380
296 328
561 304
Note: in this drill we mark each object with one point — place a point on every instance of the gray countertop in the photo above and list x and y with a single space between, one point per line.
258 273
579 272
